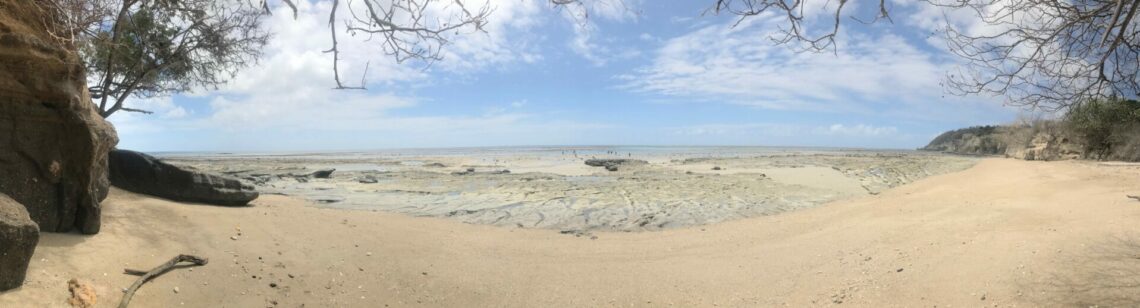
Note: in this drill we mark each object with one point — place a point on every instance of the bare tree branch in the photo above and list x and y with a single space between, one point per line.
1041 54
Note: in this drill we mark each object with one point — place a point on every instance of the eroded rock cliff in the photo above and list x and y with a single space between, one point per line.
53 144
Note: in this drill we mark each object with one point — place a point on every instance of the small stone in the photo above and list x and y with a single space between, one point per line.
233 238
368 254
899 270
175 289
272 285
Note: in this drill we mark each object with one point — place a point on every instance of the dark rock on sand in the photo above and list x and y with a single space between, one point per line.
18 238
613 163
472 171
326 199
53 143
259 178
144 174
322 174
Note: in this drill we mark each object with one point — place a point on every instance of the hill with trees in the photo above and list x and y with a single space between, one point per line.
1101 129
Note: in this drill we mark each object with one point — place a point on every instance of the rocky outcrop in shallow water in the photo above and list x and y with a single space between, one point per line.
18 238
144 174
53 144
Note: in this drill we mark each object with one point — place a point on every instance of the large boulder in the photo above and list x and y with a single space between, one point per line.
53 144
144 174
18 238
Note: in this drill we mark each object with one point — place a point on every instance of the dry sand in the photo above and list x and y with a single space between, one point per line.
1003 233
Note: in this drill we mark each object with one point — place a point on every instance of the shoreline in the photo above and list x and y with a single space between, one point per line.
1006 233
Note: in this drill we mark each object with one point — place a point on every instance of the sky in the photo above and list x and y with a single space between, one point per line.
651 72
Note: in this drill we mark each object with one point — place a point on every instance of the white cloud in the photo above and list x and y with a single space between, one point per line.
289 95
794 134
760 129
787 130
584 15
870 74
859 130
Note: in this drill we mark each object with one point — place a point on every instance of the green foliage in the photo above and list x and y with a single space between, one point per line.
1106 127
981 140
159 47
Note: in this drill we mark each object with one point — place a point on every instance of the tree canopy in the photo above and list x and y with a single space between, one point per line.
147 48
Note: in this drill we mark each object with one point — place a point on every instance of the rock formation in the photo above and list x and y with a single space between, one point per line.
1047 146
1021 142
612 164
323 173
53 144
18 238
144 174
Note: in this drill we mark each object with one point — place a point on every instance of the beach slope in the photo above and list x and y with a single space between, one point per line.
1003 233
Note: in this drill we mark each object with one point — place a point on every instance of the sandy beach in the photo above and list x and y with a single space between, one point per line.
1004 233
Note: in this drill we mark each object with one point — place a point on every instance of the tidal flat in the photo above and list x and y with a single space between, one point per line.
553 188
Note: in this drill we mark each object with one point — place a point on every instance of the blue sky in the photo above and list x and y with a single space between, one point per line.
642 73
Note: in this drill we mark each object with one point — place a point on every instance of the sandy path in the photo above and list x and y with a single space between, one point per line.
1004 233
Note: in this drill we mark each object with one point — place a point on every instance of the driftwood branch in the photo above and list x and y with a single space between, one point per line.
155 272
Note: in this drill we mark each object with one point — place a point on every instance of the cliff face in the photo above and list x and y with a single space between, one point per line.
53 144
1022 142
978 140
1047 146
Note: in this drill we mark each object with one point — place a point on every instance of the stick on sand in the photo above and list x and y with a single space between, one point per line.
161 269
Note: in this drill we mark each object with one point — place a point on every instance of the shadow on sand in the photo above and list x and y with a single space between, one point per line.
1107 274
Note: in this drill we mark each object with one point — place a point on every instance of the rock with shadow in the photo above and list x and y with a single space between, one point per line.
18 238
53 143
145 174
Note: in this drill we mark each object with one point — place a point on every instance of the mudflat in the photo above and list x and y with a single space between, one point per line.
1002 233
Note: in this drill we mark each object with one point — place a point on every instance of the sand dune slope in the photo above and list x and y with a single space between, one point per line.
1004 233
